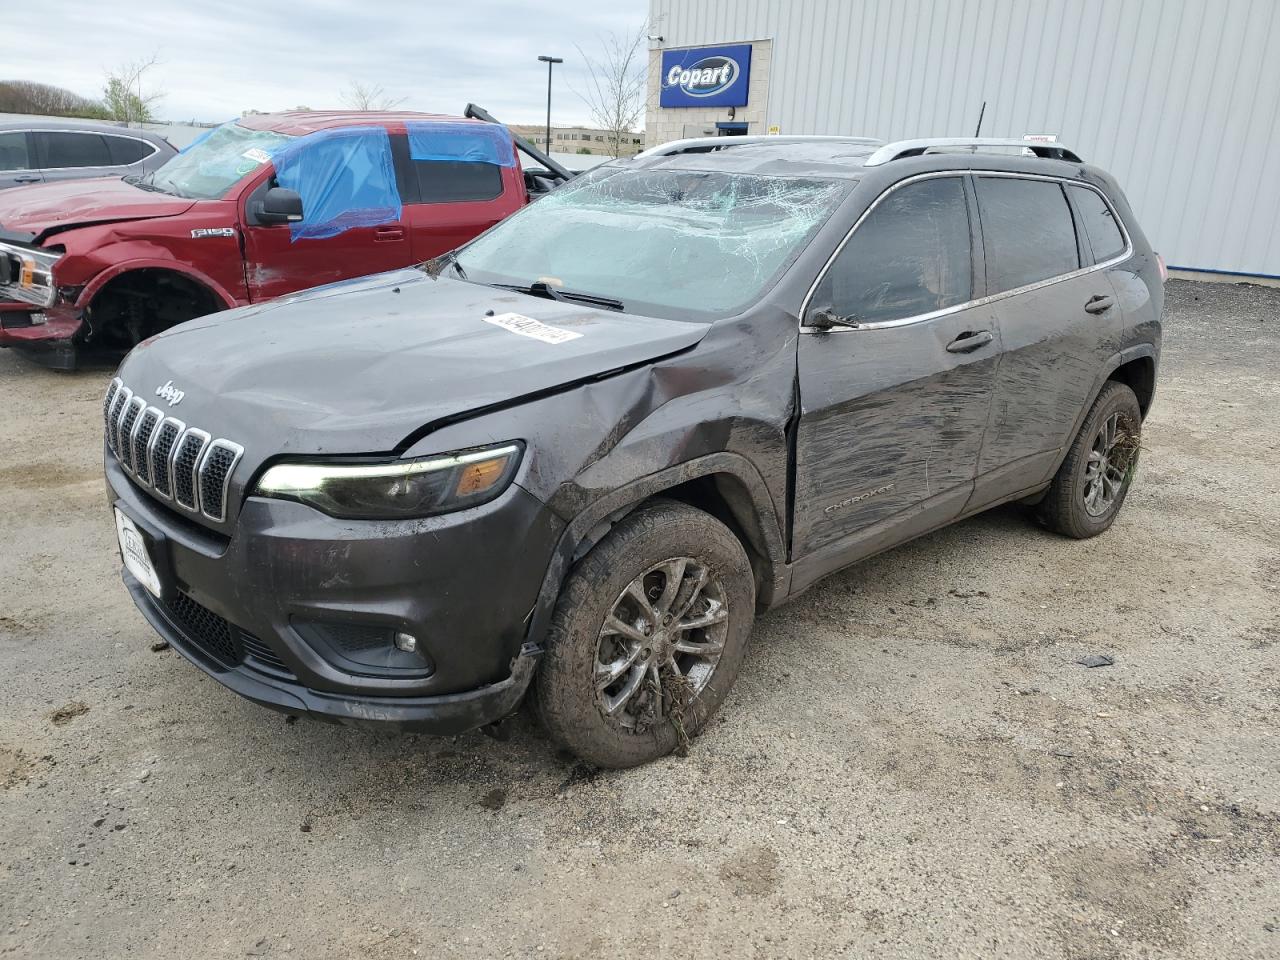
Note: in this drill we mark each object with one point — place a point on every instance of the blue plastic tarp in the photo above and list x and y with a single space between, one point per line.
458 141
345 178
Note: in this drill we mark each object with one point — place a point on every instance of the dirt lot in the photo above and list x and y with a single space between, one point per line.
912 763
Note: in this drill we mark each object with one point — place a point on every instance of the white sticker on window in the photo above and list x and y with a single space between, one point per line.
529 327
257 155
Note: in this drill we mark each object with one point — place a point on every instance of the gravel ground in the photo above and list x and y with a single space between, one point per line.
912 763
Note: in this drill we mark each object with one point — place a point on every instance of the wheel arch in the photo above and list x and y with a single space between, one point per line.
725 485
1127 367
129 267
1139 374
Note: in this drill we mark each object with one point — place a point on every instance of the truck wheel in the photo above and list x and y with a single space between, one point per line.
647 637
1090 486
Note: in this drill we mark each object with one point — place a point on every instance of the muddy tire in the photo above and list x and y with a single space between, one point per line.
1089 488
647 638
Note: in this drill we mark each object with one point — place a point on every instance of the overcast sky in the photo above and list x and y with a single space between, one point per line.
221 57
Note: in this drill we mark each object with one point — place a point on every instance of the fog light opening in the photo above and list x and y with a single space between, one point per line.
406 642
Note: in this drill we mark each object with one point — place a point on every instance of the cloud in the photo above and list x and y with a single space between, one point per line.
221 58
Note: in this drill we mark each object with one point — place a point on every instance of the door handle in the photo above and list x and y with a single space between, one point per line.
970 340
383 234
1098 304
26 179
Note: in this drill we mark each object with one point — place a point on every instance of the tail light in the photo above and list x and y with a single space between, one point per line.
1164 271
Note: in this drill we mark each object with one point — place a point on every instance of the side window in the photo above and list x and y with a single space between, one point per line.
1100 224
126 150
69 149
1027 231
910 256
453 181
13 151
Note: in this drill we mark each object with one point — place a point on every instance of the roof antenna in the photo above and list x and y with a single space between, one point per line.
981 113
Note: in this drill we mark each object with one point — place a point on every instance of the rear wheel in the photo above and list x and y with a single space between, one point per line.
647 638
1090 486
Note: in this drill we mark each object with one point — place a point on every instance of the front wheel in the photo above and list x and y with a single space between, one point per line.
648 636
1090 486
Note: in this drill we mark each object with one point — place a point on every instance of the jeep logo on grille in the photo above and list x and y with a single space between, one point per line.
167 391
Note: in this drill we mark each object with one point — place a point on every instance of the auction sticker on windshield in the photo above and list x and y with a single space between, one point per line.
133 550
529 327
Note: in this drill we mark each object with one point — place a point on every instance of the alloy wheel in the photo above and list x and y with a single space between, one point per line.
660 643
1108 466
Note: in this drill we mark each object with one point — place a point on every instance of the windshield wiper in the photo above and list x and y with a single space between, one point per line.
540 288
435 266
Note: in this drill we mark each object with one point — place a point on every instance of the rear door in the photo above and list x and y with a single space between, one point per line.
17 159
353 220
72 154
1058 322
893 411
448 202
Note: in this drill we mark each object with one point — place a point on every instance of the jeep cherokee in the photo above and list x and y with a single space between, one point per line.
575 457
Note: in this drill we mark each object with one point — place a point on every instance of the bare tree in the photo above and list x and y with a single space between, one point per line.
26 96
124 96
362 96
616 87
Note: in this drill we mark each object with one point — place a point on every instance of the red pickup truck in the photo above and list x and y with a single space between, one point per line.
257 208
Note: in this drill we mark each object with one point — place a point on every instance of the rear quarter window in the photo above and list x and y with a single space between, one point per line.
126 150
1099 221
455 181
1027 231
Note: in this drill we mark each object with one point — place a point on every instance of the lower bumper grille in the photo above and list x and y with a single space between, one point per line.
219 638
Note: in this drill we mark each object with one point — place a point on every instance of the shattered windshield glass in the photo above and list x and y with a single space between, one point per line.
683 244
208 168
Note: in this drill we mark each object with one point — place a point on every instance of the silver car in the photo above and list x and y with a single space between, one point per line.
39 150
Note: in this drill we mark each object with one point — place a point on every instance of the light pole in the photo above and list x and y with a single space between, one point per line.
549 61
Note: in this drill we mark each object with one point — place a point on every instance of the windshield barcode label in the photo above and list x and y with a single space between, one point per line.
529 327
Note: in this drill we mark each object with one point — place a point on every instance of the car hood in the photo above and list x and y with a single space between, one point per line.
44 208
365 366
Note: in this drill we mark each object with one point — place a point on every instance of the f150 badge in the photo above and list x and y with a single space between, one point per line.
167 391
201 232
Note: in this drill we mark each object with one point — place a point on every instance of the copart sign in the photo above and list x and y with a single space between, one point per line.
706 76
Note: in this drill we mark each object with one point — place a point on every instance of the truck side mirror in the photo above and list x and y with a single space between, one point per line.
279 205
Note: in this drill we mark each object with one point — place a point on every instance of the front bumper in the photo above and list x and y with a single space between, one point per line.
252 609
443 715
48 329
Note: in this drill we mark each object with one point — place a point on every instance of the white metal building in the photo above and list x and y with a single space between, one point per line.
1179 99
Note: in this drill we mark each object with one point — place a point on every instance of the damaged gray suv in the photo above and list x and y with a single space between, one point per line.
573 459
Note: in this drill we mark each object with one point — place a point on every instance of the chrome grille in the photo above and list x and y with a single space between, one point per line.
162 442
140 436
186 457
176 462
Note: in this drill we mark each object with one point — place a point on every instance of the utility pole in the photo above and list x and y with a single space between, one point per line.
549 61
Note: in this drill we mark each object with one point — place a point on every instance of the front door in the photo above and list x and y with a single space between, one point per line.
893 410
352 222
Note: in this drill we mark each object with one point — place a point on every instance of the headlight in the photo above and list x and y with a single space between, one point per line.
27 274
397 490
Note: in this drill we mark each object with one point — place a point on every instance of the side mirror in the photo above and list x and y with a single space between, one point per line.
279 205
824 318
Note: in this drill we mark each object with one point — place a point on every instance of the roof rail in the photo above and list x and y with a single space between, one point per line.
916 148
708 144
